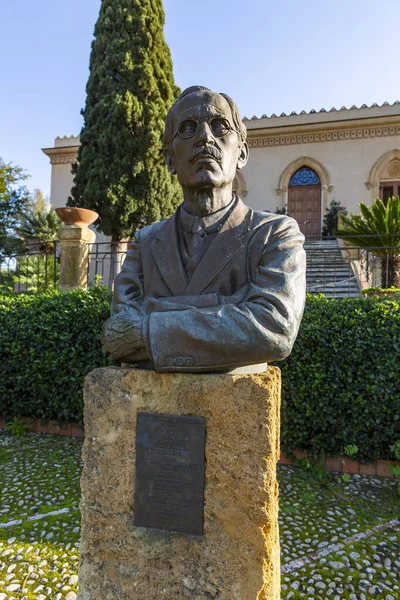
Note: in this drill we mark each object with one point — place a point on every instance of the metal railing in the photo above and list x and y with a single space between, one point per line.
338 269
35 269
334 267
105 262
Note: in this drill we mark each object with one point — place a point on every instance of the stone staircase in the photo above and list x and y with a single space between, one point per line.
327 272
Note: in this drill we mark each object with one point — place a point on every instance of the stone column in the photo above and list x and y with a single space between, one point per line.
75 244
237 557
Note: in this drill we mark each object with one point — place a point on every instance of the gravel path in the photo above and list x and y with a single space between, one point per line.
338 540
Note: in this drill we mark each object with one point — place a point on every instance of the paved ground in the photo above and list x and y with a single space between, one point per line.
340 540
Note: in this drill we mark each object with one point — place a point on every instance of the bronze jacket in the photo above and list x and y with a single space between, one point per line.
242 306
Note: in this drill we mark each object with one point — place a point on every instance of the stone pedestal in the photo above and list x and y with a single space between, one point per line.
75 244
237 557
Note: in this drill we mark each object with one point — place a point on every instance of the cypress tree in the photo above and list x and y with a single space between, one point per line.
121 172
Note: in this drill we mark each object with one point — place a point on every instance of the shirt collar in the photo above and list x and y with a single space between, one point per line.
187 219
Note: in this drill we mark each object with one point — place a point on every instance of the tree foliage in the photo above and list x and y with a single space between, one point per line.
14 202
37 268
331 218
377 228
40 226
39 202
121 172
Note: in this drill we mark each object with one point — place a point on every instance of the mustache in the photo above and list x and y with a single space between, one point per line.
210 151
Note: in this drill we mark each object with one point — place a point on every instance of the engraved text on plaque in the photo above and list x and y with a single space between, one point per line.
169 487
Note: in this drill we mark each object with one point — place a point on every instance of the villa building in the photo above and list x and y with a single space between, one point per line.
298 162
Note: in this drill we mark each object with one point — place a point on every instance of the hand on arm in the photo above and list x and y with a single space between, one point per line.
123 338
258 323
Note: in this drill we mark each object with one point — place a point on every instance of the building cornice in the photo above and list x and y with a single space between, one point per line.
324 132
62 154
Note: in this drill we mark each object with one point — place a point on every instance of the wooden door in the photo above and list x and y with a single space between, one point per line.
304 205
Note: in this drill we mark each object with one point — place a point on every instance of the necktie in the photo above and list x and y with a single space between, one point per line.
196 239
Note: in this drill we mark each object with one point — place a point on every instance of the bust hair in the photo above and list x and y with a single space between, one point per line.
236 118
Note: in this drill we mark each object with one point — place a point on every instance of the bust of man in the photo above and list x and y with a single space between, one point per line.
217 286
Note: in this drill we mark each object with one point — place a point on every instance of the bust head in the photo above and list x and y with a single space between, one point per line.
205 139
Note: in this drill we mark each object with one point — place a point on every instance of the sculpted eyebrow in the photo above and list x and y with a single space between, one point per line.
204 111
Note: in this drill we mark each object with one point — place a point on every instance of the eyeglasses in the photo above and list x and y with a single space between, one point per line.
218 125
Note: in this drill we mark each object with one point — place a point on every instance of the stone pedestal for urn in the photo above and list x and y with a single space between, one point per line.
237 556
76 240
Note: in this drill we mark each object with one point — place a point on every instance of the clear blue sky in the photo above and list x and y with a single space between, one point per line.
270 56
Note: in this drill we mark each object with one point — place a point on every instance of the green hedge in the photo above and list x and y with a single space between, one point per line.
341 384
48 343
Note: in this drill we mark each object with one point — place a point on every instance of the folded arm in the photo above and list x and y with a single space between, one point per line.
258 323
260 328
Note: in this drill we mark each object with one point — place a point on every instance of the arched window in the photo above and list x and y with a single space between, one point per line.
304 176
387 189
384 177
390 185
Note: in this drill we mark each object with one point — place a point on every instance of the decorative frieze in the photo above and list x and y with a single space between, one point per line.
328 136
61 159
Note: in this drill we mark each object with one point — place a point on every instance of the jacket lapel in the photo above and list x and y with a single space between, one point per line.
167 256
227 244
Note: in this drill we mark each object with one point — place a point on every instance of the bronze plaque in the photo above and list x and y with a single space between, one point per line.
169 486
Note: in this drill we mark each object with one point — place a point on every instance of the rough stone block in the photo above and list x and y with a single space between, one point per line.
75 244
237 557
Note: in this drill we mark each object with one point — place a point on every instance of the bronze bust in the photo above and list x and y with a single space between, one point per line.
217 286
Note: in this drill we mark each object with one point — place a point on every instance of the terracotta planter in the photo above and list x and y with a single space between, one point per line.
77 216
381 293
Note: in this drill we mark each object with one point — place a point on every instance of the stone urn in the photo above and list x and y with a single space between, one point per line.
74 215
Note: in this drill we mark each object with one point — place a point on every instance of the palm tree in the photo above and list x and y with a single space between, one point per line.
37 265
40 226
377 229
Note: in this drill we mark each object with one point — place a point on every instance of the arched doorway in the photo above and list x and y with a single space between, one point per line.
304 201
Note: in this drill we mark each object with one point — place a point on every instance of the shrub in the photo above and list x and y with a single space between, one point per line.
331 218
341 384
48 343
